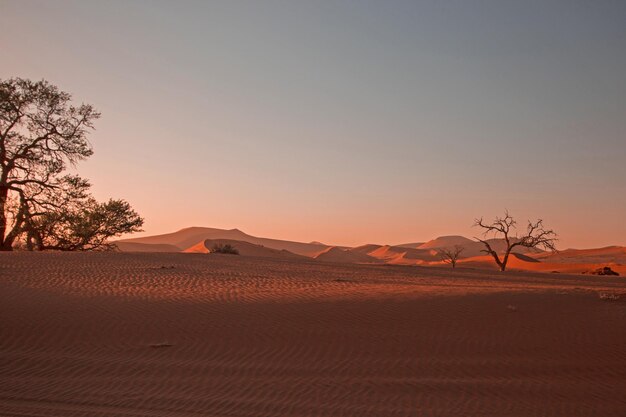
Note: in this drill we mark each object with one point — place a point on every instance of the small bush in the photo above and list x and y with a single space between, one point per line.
602 271
227 248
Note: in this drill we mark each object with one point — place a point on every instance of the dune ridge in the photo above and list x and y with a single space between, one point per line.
567 261
336 254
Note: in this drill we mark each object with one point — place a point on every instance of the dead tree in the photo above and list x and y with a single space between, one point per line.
451 255
536 236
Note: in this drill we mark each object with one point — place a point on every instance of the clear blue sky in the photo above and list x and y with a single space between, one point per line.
346 122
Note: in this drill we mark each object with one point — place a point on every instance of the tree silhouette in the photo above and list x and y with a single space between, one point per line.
536 236
41 133
451 255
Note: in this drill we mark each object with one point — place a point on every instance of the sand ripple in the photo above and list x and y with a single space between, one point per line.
200 335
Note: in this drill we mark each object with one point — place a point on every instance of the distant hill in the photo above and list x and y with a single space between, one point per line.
244 248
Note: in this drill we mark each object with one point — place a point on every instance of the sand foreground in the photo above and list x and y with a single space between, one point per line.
150 334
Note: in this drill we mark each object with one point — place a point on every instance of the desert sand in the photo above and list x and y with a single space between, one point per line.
183 334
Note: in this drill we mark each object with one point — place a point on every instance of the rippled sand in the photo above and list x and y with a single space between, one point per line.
124 334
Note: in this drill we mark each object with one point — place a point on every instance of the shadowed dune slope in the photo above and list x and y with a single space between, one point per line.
145 247
244 248
189 335
523 257
185 238
404 256
414 245
397 255
447 241
366 248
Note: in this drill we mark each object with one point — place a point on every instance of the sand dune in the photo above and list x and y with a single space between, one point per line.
447 241
522 262
567 261
414 245
244 248
408 254
398 255
190 236
472 247
145 247
366 248
609 254
336 254
404 256
132 334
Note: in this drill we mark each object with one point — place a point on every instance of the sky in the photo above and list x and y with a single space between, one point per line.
346 122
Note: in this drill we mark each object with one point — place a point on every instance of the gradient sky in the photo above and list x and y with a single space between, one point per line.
347 122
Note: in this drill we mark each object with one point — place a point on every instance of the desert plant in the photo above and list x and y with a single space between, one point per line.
225 248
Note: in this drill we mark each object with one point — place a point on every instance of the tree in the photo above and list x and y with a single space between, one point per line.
41 132
451 255
536 236
87 226
37 202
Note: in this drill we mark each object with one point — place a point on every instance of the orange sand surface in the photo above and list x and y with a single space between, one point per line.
178 334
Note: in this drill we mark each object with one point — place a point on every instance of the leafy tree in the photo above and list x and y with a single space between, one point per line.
536 236
85 226
41 133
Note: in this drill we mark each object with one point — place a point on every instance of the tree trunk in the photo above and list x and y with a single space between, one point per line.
497 259
505 260
4 194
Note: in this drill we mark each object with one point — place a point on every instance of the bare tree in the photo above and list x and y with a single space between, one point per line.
536 236
451 255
